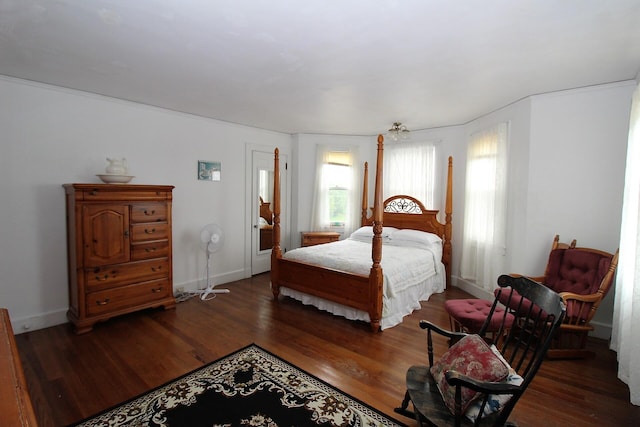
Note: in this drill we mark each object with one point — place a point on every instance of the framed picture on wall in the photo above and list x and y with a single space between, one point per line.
208 171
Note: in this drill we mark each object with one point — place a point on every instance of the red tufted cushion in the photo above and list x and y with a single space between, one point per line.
576 271
573 270
471 313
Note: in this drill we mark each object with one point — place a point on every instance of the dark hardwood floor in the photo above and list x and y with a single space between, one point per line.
72 376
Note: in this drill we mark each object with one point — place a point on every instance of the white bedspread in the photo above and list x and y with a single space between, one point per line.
402 267
410 275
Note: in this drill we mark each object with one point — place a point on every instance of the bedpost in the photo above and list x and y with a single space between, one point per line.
448 209
365 195
375 277
276 252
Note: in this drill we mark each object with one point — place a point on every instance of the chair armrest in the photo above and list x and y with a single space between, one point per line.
425 324
580 309
578 297
534 278
457 379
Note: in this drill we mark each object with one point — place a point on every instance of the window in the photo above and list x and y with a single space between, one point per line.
484 232
336 202
410 168
337 178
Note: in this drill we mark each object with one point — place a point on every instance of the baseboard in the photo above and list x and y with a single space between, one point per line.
472 288
58 317
601 330
216 280
39 321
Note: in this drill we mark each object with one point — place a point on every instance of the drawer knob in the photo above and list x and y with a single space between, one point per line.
146 230
102 278
150 249
152 212
156 290
156 268
103 302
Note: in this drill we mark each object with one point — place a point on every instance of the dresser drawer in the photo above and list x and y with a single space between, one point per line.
126 296
151 231
149 212
148 250
122 274
310 238
107 193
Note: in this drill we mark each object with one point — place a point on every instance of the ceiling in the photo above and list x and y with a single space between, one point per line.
348 67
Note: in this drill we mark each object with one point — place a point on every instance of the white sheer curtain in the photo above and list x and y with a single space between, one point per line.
625 338
484 233
410 168
336 167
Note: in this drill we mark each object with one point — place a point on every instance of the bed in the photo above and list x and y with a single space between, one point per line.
362 292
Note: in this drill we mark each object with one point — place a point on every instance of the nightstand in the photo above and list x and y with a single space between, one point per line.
310 238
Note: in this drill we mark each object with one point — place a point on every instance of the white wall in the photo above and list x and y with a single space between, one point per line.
566 176
450 142
304 164
51 136
576 166
576 172
567 158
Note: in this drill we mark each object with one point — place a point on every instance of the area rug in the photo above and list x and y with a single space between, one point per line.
251 387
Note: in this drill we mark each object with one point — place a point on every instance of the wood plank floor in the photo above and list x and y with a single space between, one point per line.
71 377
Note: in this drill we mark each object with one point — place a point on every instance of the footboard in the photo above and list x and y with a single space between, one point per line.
344 288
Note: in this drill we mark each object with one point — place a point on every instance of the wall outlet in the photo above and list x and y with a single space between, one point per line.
180 289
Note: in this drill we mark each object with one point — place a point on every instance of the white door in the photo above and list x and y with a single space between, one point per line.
262 201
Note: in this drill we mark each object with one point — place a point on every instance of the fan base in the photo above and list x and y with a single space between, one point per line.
206 294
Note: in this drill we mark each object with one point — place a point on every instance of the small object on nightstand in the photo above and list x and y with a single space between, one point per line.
310 238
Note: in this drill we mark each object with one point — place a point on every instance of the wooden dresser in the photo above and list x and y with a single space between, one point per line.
310 238
119 245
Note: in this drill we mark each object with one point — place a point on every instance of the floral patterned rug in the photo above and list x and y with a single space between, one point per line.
250 387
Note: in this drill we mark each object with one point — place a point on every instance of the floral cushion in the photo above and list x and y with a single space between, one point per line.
471 356
495 402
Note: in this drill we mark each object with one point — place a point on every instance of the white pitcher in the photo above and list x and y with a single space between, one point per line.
117 166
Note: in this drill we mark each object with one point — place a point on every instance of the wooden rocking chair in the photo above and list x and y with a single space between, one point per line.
473 384
582 277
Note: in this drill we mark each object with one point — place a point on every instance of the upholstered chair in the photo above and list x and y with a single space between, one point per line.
582 277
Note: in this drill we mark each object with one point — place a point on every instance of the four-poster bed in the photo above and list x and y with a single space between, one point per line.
364 292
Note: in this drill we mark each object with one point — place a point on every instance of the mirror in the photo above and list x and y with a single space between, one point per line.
265 213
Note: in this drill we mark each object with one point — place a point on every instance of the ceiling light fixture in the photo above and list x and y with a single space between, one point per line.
398 132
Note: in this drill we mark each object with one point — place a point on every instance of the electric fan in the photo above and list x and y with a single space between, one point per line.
211 240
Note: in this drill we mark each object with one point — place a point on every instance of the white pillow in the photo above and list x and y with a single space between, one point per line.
415 238
365 234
